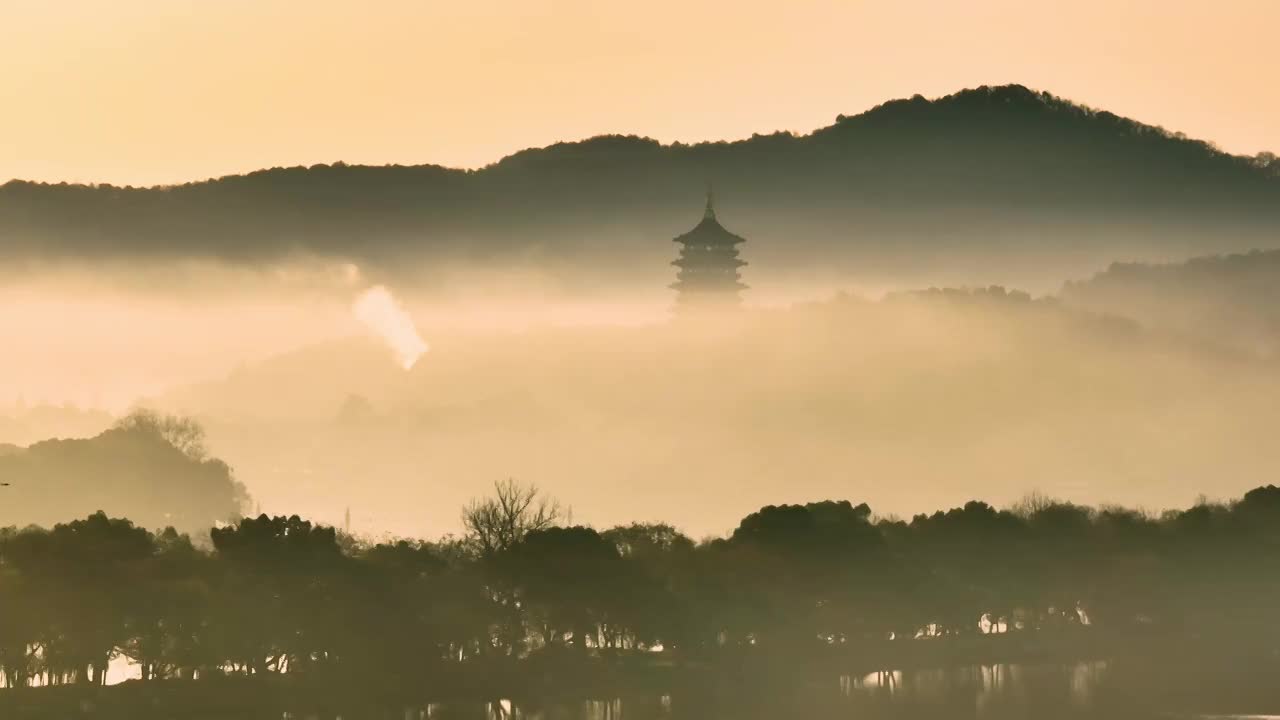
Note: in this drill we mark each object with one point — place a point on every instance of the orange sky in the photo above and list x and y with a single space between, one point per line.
161 91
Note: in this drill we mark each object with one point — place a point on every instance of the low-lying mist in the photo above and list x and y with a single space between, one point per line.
110 336
910 401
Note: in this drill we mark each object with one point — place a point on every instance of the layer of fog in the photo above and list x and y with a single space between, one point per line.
108 334
598 397
107 338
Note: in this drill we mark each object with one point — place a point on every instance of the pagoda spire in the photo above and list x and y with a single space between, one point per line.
710 212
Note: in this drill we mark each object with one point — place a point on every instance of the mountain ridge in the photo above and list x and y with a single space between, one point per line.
1010 94
991 162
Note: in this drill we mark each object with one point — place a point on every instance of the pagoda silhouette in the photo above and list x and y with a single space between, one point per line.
708 262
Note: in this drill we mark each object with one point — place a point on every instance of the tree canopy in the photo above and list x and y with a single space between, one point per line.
820 581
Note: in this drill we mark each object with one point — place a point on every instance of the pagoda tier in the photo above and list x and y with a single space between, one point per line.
708 264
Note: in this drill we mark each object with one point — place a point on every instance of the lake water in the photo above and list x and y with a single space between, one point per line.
986 692
1173 684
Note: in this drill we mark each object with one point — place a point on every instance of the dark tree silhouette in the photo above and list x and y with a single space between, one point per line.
908 168
501 522
824 582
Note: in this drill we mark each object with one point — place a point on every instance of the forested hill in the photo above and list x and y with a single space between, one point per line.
1232 300
154 468
1001 163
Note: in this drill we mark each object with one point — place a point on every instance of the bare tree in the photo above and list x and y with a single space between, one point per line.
1032 503
183 433
500 522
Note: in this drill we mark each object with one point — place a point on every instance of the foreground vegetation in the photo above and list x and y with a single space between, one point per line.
795 583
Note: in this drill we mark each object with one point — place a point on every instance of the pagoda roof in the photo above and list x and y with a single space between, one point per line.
710 231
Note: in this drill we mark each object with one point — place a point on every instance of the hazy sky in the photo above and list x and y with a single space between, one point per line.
158 91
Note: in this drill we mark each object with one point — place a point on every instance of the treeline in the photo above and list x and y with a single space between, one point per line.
1025 159
279 595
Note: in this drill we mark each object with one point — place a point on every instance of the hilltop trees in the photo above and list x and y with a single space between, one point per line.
183 433
1017 156
151 468
1230 300
1268 162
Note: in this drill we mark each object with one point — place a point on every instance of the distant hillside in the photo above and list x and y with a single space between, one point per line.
999 171
26 425
131 471
903 401
1228 299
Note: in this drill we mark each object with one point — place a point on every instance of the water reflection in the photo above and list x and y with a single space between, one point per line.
983 692
507 709
988 685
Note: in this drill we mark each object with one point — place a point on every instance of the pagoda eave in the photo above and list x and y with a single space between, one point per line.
734 240
685 263
708 289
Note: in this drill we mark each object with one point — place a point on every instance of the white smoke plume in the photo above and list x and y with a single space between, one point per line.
387 319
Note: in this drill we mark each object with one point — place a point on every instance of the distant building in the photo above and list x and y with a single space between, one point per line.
708 263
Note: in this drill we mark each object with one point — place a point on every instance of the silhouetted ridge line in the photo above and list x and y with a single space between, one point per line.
1014 158
1232 300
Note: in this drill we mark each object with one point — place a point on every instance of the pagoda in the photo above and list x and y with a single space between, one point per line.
708 263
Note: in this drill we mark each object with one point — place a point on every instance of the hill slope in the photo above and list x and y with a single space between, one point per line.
906 402
123 471
1232 300
988 173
